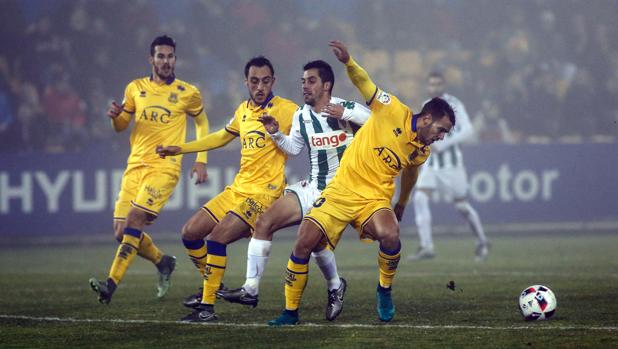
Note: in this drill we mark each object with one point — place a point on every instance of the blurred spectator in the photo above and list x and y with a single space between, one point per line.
527 67
65 115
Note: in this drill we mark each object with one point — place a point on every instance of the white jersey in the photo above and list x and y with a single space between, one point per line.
326 138
446 153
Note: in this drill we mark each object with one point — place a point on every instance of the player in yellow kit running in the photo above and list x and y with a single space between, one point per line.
159 104
392 141
232 214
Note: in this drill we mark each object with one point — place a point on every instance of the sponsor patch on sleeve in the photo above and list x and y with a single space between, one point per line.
384 98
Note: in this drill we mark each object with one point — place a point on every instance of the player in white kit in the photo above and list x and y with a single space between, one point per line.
325 125
444 171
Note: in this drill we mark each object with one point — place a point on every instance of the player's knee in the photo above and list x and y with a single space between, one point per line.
119 230
190 232
462 206
118 234
263 228
387 232
420 199
309 237
138 218
320 247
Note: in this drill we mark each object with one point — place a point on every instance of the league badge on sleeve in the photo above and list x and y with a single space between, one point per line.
384 98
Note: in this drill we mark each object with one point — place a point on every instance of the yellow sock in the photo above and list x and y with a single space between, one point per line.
215 268
387 262
295 281
147 249
125 254
196 249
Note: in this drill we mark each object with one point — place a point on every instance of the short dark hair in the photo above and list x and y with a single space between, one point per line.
439 108
259 61
325 71
162 40
435 74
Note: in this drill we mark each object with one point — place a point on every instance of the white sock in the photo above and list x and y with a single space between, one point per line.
257 257
422 217
325 259
470 214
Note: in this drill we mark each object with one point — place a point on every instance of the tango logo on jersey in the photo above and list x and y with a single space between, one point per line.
328 140
253 140
389 157
156 114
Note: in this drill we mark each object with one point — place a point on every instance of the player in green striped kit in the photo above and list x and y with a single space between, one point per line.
445 172
325 125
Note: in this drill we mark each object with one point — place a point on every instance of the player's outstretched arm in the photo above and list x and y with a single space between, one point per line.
290 144
212 141
408 180
120 118
201 130
356 73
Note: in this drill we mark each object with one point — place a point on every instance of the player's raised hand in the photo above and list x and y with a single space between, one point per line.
398 209
114 110
333 110
170 150
340 51
270 124
201 174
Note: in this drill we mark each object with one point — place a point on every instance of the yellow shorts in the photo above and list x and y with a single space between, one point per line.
246 206
145 188
338 207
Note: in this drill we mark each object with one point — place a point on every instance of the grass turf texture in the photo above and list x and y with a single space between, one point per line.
45 299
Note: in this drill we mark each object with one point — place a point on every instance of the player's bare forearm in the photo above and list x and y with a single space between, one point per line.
408 180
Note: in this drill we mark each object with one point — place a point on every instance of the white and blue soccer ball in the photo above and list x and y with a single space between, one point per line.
537 302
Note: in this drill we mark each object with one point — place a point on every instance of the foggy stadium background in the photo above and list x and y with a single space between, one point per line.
539 80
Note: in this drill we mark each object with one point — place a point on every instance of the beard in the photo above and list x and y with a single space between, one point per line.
309 100
164 72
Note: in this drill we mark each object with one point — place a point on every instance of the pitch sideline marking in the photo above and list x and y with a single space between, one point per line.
309 324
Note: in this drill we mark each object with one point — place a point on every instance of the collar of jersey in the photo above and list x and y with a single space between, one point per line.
413 128
263 105
168 81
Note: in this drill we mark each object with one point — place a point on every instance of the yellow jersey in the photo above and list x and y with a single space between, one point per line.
160 118
262 163
385 145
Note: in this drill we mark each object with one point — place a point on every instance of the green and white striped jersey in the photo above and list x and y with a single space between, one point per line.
325 137
446 153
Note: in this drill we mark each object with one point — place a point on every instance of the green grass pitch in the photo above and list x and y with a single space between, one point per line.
45 300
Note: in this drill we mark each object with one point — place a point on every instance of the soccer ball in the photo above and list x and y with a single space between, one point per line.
537 302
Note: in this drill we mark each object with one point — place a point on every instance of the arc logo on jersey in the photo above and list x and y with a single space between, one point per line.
254 140
388 157
329 140
156 114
